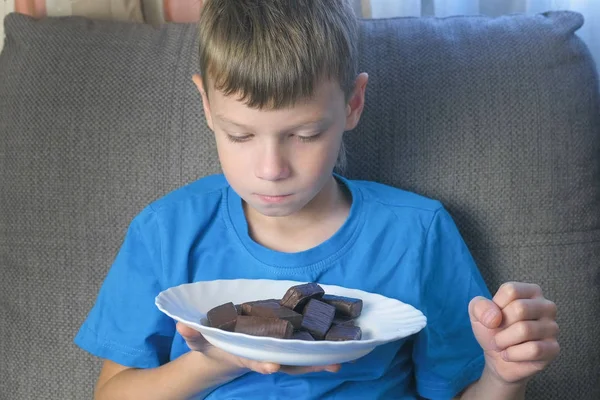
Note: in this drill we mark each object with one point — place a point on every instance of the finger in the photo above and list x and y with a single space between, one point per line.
525 331
528 309
265 368
540 350
193 338
187 332
333 368
292 370
485 311
512 291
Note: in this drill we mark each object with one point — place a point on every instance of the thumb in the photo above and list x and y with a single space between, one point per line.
193 338
187 332
486 312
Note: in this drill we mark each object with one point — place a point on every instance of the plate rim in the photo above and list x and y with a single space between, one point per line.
303 343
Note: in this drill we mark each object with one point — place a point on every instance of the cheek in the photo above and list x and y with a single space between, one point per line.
231 158
317 157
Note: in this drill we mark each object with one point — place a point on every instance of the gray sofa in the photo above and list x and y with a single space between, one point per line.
498 118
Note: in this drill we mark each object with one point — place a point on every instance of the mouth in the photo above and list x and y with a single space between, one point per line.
270 198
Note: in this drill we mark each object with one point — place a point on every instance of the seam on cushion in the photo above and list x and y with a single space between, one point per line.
175 105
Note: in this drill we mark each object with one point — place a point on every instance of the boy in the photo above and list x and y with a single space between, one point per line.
279 89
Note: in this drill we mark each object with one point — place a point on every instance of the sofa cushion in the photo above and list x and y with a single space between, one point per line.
97 119
498 118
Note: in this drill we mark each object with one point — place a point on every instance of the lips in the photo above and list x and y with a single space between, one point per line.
272 198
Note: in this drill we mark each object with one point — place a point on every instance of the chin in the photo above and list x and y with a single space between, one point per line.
280 210
275 211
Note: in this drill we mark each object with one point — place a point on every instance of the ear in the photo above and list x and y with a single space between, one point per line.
205 104
356 104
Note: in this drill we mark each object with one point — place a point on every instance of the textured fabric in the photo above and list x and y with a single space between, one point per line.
498 118
393 243
96 120
589 32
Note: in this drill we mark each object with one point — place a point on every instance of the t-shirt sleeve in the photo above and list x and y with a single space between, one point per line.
446 355
124 324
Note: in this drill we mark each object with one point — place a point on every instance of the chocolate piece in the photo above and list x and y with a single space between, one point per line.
298 296
223 316
246 307
259 326
238 308
339 320
303 335
343 332
344 306
268 310
317 318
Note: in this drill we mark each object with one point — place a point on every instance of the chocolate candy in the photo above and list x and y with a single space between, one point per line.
344 332
246 307
298 296
344 306
318 317
259 326
269 310
304 313
223 317
303 335
338 320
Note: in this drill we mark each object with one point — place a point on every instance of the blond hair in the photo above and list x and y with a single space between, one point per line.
273 53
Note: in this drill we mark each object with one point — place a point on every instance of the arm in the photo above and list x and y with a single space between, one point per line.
516 329
446 356
189 375
196 373
489 388
126 327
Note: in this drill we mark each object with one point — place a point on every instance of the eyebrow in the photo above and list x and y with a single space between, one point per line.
321 122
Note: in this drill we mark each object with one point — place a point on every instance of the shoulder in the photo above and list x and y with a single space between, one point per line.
193 201
394 199
204 189
400 212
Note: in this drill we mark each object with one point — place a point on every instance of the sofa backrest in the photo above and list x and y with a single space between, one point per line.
498 118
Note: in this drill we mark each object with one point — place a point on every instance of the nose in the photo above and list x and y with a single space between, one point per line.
272 164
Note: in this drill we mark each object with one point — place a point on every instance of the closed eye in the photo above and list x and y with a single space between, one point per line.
311 138
238 139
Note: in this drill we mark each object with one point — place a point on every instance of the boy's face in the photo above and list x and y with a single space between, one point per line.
278 161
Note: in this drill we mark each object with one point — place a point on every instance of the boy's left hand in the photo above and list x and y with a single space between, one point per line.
517 331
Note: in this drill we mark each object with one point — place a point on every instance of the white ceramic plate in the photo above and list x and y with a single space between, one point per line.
382 320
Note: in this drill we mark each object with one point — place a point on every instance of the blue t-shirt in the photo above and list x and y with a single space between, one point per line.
393 242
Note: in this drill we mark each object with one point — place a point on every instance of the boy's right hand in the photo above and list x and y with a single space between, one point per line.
197 342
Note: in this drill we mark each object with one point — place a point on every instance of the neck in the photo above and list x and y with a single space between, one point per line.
327 211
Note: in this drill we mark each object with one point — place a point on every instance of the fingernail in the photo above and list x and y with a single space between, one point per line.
489 316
